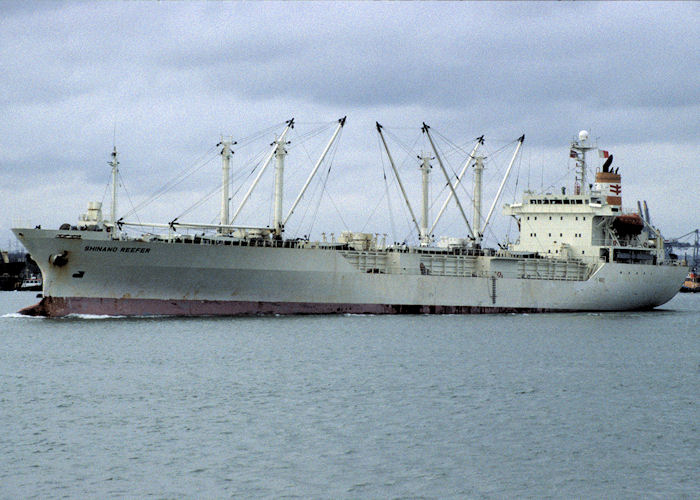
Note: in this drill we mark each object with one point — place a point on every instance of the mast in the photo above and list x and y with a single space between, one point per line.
280 153
478 171
425 172
225 160
114 163
578 152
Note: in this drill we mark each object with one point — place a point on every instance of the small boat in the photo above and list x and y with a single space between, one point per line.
31 283
691 283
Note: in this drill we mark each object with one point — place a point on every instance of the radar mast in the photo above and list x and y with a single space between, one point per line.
578 152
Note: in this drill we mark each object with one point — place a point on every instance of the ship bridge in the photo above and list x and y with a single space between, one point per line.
584 226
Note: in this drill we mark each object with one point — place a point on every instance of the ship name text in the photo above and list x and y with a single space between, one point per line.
98 248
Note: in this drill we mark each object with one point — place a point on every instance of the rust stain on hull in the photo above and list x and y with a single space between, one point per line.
63 306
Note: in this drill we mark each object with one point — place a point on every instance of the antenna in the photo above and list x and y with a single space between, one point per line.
114 163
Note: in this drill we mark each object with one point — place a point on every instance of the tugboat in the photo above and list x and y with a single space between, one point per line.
691 283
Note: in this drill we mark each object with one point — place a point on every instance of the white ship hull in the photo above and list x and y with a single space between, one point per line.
130 277
576 252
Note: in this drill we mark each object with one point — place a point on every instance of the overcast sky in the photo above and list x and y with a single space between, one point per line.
172 77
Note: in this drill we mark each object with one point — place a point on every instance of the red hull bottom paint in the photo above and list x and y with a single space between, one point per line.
63 306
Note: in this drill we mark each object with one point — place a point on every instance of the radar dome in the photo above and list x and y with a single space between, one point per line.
583 136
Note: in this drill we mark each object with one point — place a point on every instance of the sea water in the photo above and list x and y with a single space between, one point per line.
494 406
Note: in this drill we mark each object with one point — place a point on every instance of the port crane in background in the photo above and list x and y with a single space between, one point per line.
692 256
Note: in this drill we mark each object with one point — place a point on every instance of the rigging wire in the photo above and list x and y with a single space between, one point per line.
243 170
259 135
386 189
242 173
455 147
195 166
339 214
104 195
121 179
409 150
558 181
445 154
312 195
299 141
515 191
302 139
333 151
371 214
403 210
199 202
323 190
454 175
178 179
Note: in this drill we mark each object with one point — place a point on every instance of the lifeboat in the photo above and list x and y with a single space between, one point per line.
628 224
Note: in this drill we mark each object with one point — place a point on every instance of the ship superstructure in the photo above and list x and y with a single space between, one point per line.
589 225
576 252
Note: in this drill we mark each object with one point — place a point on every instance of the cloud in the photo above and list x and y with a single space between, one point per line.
174 76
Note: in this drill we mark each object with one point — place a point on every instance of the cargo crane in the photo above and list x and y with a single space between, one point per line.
694 258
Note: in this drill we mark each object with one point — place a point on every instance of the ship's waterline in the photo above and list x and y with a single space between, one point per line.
65 306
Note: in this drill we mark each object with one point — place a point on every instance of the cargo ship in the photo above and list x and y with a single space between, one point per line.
575 252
